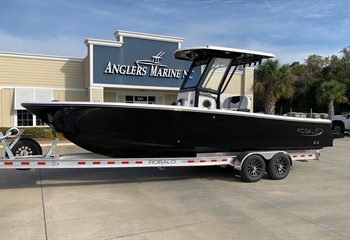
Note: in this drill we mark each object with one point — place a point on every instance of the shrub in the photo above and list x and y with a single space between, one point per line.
4 129
36 132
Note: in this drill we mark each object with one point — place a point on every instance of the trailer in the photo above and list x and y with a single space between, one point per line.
26 153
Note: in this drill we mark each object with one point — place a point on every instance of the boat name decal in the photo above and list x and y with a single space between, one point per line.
152 68
310 132
160 161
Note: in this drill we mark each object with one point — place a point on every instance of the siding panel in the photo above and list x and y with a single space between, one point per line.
32 72
6 103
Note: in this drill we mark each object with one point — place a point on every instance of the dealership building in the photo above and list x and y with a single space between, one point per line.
134 68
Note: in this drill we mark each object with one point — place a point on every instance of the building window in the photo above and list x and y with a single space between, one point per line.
26 118
152 99
129 99
39 122
140 99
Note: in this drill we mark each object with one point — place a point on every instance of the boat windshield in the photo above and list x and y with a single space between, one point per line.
194 76
216 73
213 76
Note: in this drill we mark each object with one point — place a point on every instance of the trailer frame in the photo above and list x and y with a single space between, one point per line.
252 165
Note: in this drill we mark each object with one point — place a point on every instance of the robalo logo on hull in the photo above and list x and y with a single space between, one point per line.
310 132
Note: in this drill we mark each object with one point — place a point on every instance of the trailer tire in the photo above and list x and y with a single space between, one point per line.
26 147
253 168
278 167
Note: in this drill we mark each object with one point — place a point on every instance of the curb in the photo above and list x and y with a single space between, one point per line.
59 144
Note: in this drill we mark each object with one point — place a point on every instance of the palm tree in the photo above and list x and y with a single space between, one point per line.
331 92
273 82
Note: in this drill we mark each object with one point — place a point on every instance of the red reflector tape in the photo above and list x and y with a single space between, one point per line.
125 162
190 161
302 155
81 163
8 163
214 160
295 156
224 160
24 163
111 162
96 163
41 163
138 162
310 155
202 160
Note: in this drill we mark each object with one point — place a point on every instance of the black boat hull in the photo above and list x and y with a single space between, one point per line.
130 130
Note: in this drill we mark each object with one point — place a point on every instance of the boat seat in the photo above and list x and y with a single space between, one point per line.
237 103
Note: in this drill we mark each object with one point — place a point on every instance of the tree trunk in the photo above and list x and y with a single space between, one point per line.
331 109
270 105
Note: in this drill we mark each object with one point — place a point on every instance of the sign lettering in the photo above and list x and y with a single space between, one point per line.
155 69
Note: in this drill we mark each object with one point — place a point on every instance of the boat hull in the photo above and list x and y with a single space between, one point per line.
130 130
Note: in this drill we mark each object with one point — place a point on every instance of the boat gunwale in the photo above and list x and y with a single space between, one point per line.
177 108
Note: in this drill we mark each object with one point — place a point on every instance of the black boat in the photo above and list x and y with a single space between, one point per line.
201 121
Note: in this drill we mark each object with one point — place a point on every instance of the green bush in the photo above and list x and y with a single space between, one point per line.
4 129
33 132
36 132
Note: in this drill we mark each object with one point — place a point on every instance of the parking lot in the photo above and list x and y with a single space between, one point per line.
313 202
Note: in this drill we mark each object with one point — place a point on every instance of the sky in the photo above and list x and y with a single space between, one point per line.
290 29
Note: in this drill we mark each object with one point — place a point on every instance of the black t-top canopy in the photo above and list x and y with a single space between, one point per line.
239 56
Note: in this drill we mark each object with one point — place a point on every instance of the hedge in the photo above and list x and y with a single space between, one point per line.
4 129
36 132
33 132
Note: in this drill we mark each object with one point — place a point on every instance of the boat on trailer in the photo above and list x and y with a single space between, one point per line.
203 120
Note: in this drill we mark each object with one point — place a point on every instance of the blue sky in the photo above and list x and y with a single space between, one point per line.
292 29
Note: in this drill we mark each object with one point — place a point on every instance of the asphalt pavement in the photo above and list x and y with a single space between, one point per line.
313 202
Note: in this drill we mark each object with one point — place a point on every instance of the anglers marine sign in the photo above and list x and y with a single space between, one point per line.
151 68
138 63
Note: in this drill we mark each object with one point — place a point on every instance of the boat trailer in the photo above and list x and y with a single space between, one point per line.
25 153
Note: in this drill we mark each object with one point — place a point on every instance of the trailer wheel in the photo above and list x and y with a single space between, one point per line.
26 147
278 167
253 168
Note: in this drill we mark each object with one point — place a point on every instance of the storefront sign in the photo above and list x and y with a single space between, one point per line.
151 68
139 62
